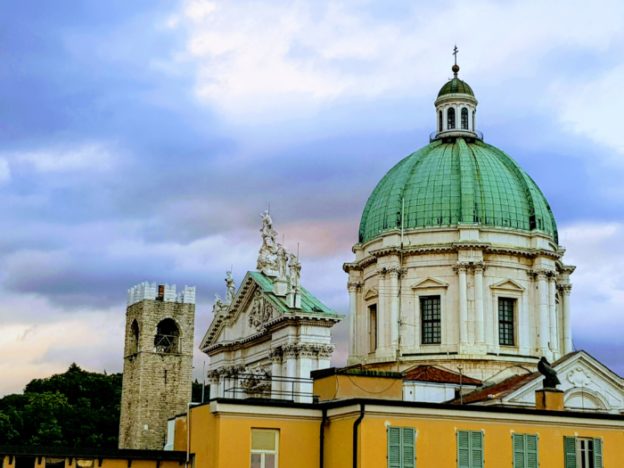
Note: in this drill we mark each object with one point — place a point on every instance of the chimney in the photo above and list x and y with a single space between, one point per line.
549 399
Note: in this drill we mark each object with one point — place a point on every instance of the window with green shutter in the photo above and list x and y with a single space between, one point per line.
401 447
582 452
524 451
469 449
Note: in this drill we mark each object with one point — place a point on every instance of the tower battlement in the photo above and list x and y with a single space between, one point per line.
163 292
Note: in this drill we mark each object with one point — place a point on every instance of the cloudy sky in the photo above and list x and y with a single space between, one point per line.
140 140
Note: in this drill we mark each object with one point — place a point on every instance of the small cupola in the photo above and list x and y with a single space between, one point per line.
456 109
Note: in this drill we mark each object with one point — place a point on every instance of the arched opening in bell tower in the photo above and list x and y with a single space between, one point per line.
167 339
133 344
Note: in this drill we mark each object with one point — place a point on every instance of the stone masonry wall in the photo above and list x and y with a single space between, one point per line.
156 386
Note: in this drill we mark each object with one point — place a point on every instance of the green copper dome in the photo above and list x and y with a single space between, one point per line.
455 86
452 183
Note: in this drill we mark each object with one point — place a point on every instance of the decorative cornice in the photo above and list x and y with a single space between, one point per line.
454 247
274 324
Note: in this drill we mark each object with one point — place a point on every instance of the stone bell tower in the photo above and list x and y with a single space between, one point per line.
158 355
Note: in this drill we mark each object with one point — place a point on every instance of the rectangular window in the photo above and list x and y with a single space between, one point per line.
582 452
506 311
401 447
264 448
469 449
430 319
372 327
525 451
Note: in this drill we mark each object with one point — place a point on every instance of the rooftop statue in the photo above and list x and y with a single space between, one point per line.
267 257
294 268
230 287
550 374
282 262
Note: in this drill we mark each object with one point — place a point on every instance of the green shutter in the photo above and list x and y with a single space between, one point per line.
476 449
597 453
569 451
463 449
401 447
530 445
408 437
518 451
394 447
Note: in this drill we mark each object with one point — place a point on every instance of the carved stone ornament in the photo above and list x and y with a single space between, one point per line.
256 380
308 350
275 354
261 312
578 377
219 307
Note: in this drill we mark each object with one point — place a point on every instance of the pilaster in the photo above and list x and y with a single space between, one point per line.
461 268
566 289
354 345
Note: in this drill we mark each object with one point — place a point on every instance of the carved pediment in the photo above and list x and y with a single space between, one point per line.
585 381
248 315
260 311
507 285
430 283
370 293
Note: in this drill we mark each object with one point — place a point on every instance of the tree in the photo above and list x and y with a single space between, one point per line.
73 409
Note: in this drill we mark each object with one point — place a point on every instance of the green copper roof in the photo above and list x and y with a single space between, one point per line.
446 184
455 86
309 303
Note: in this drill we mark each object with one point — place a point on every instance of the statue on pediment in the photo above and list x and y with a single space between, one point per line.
282 262
230 287
267 257
294 272
219 306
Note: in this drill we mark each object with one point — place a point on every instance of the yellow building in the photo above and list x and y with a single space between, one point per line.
39 457
367 433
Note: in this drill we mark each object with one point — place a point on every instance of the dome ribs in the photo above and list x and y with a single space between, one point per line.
453 182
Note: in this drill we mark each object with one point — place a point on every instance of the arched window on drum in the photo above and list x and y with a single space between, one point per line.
450 118
464 118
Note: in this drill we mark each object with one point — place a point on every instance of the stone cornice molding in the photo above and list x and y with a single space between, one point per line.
568 269
455 247
351 266
472 245
271 326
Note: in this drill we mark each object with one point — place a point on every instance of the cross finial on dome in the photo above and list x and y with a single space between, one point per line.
455 66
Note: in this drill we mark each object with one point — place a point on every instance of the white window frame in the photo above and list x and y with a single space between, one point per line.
262 453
